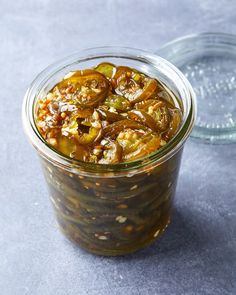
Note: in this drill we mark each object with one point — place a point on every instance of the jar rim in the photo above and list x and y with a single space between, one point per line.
130 168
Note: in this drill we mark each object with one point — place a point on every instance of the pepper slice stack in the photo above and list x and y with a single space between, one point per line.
107 115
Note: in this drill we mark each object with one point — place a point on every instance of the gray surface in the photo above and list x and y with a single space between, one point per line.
197 254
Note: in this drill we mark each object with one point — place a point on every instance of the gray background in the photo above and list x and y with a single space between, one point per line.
197 254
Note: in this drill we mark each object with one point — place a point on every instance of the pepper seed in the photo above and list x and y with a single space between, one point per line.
103 238
134 187
156 233
121 219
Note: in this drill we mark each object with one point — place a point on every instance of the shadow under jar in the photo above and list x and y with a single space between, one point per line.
112 209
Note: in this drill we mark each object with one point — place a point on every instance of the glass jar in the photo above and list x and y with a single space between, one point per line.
119 208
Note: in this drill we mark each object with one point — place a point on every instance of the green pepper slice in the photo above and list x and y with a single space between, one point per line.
118 102
144 118
85 88
112 153
133 85
137 143
158 110
88 138
176 118
110 116
144 105
107 69
113 129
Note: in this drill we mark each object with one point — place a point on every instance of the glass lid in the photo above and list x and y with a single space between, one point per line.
208 60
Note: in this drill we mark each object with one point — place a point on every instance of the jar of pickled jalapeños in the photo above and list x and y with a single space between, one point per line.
109 125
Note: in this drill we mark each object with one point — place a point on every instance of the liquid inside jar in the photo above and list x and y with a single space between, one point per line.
108 115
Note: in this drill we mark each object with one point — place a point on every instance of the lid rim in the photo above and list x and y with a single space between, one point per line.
181 51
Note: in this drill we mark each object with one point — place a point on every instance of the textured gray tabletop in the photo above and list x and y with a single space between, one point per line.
197 254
